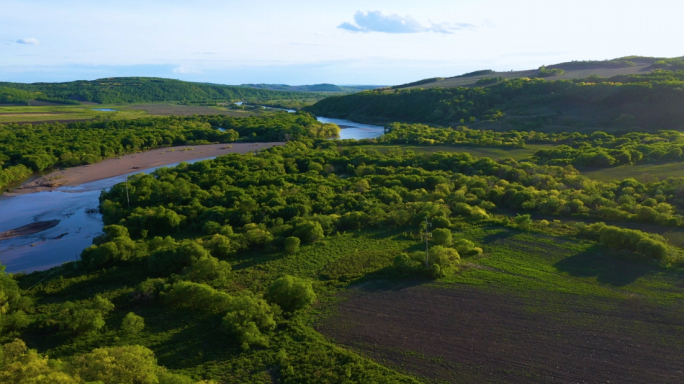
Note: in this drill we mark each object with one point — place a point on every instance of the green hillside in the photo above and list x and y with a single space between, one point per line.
648 101
141 90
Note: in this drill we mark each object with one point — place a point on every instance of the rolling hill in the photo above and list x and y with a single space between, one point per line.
641 94
630 65
133 90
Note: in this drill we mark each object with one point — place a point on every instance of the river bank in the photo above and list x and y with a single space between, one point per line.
122 165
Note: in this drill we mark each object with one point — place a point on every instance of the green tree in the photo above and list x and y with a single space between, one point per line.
292 245
132 324
291 293
442 236
309 232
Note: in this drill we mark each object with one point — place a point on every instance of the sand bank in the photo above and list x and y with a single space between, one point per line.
137 161
28 229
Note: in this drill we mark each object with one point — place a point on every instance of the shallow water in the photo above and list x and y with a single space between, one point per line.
352 130
104 109
80 222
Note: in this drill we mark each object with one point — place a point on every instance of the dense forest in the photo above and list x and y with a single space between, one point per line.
232 249
25 149
626 102
135 90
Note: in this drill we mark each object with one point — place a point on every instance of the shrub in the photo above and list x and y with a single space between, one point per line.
84 317
309 232
209 270
444 257
523 221
148 290
185 294
247 320
292 245
291 293
211 228
132 324
467 248
127 364
220 246
167 261
442 236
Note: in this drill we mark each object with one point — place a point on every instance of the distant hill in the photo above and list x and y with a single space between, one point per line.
572 70
135 90
642 94
314 88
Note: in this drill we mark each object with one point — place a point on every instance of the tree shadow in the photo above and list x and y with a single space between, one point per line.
595 262
503 234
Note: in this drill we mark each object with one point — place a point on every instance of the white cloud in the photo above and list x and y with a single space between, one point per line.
185 69
29 41
375 21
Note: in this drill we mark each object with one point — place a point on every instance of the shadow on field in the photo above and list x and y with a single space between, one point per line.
502 234
607 269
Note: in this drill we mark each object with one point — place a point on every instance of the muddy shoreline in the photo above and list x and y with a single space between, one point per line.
125 164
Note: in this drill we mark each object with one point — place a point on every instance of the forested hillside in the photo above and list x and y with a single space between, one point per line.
139 90
649 101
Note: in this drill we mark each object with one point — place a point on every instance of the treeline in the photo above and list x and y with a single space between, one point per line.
596 149
28 148
145 89
252 201
453 106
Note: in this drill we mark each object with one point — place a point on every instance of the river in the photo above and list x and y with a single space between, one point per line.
80 221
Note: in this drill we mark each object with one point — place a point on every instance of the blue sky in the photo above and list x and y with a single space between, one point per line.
307 42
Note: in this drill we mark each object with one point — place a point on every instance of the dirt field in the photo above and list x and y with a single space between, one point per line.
185 110
138 161
462 334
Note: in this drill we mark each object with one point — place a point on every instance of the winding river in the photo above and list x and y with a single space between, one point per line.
76 208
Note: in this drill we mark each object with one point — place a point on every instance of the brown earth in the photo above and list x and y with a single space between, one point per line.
463 334
28 229
133 162
185 110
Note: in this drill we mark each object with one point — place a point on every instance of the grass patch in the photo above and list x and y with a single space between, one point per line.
494 153
642 172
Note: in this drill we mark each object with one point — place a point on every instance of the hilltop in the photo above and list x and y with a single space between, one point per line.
630 65
133 90
313 88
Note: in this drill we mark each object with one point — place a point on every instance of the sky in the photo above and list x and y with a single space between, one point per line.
308 42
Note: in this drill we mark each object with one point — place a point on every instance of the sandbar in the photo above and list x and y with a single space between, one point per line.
137 161
28 229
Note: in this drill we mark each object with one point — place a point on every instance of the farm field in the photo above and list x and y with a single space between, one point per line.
528 310
70 113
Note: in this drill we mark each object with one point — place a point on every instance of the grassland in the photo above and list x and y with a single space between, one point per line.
642 172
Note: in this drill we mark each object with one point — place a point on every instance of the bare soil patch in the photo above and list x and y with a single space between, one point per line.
28 229
464 334
133 162
185 110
